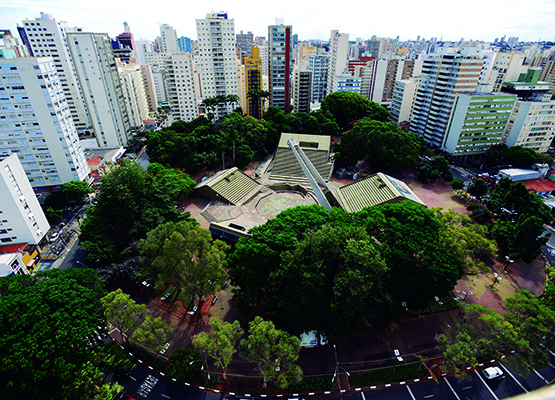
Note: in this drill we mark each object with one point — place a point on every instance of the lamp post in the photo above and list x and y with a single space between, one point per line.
509 262
79 262
495 279
337 367
204 362
438 301
466 294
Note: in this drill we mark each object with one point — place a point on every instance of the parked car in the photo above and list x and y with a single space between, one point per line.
54 237
492 372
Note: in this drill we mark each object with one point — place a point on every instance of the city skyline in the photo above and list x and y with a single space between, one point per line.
474 20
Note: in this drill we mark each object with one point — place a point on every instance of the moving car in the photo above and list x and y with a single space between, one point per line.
492 372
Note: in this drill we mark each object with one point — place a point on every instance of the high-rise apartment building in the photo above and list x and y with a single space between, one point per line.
157 63
141 47
442 78
185 44
45 36
505 67
318 64
244 41
280 51
402 101
134 92
253 81
21 217
339 50
148 84
168 41
36 123
97 71
216 58
302 88
477 122
180 86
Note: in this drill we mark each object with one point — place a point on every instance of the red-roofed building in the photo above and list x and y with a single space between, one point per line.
541 187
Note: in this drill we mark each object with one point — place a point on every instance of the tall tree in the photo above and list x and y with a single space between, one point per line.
184 255
273 351
348 107
45 320
220 343
152 334
121 311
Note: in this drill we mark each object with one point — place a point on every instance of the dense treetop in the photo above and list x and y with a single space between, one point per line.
349 107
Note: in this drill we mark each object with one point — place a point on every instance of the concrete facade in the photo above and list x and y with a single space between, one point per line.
280 52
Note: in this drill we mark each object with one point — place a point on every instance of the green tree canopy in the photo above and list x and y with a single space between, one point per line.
130 202
220 343
185 256
45 320
478 188
273 351
73 191
433 168
383 144
152 334
517 156
122 312
182 363
348 107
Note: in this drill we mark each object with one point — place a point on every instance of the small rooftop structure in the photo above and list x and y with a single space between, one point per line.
316 148
230 185
374 190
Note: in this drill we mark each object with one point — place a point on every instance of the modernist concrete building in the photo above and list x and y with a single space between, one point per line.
21 217
44 36
442 78
477 122
216 63
36 123
96 68
280 52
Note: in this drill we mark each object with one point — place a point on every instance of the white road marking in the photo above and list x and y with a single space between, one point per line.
453 390
512 376
486 385
467 387
362 394
428 396
133 378
538 374
410 392
165 396
553 354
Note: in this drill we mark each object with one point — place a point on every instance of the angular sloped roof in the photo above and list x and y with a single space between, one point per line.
374 190
230 185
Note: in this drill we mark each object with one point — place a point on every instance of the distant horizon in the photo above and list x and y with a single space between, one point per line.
477 20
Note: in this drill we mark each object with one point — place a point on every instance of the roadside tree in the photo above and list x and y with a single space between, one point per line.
122 312
220 343
274 352
152 334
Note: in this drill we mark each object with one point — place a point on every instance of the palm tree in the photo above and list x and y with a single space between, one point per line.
210 104
232 99
257 95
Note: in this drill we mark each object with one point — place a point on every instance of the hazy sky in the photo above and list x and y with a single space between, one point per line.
470 19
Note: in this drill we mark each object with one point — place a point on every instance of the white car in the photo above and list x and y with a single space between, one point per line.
54 237
166 347
492 372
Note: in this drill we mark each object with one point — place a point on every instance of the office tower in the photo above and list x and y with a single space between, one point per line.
402 101
442 78
216 65
36 123
532 122
244 41
126 38
148 84
96 68
157 62
339 49
184 44
141 47
180 86
21 217
279 65
168 39
302 88
477 122
44 36
318 64
134 92
253 81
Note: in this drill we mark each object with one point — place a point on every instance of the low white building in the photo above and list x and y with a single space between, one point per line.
12 264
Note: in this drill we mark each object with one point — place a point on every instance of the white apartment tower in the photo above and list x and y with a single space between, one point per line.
216 63
36 123
443 77
180 86
21 217
44 36
339 50
97 71
134 91
168 41
142 46
157 63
